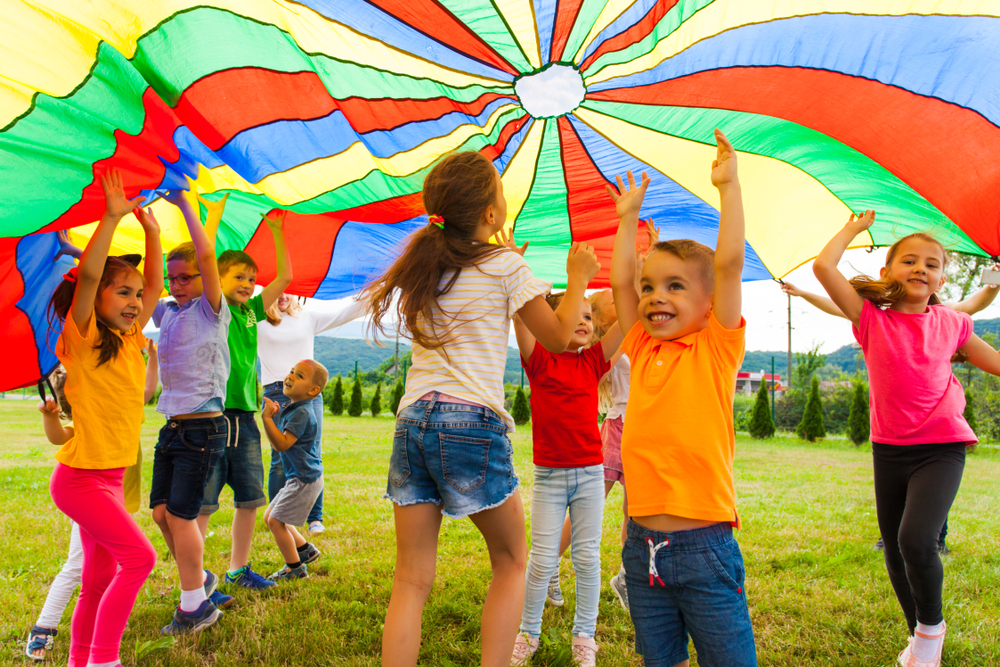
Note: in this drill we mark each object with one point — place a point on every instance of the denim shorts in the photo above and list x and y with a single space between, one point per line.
454 455
185 456
696 588
241 466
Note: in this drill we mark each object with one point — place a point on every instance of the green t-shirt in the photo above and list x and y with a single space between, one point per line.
241 390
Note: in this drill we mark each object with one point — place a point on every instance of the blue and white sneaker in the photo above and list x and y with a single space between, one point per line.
186 622
310 554
247 578
221 600
211 583
554 595
288 574
619 589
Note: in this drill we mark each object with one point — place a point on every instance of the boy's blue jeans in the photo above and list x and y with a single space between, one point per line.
581 490
276 473
697 589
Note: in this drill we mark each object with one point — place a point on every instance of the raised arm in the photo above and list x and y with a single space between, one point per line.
977 301
823 303
203 244
352 310
826 271
91 268
152 373
276 221
981 355
731 246
611 342
525 341
627 201
152 268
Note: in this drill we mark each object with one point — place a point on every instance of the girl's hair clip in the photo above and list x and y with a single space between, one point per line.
436 220
70 275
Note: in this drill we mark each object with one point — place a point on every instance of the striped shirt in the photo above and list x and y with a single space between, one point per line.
474 320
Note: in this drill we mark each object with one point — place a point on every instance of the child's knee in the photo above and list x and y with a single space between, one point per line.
160 516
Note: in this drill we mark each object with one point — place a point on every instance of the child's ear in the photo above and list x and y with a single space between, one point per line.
884 270
315 391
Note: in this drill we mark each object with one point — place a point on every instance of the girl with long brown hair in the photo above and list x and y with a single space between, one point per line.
455 294
104 303
918 433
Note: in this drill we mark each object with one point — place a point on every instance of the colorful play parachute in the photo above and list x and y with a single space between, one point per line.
336 109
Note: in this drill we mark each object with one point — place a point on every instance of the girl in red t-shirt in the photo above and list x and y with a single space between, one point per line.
569 475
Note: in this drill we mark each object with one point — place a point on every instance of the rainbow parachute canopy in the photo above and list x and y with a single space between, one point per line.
336 110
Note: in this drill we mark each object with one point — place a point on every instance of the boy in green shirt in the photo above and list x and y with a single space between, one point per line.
242 466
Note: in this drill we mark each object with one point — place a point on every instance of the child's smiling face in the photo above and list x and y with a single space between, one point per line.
238 284
674 300
584 329
181 268
300 383
119 304
919 265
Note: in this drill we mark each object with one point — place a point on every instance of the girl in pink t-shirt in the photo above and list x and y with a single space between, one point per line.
918 433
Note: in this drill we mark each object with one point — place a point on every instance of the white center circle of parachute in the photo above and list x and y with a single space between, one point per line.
553 91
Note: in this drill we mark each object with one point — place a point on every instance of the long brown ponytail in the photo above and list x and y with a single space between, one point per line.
62 299
460 189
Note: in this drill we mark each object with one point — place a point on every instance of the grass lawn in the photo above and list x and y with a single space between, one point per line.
818 593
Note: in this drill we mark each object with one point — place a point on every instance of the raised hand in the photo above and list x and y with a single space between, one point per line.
860 223
582 263
505 238
151 347
653 232
628 200
66 246
724 164
147 220
270 409
116 204
48 406
275 219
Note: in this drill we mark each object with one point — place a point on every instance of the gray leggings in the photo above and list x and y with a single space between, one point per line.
914 488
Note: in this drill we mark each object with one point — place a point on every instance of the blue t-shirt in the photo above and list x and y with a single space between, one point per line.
302 460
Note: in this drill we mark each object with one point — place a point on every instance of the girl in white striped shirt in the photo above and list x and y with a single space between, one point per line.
451 456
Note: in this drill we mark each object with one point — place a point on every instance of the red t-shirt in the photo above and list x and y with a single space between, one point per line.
564 406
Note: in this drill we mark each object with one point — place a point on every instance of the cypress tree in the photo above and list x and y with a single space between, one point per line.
811 426
969 415
337 404
354 409
397 396
761 424
376 406
521 412
858 420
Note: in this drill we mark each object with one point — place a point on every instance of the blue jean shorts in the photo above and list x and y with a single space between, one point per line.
453 455
241 466
185 456
695 588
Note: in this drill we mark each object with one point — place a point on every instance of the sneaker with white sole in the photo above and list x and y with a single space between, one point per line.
554 595
584 651
619 589
525 647
186 622
316 527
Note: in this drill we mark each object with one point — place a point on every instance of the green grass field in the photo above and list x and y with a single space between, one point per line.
818 592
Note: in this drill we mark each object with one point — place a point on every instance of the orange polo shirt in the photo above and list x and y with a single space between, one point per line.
678 444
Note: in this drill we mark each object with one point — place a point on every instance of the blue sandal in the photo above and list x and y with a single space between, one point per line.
40 639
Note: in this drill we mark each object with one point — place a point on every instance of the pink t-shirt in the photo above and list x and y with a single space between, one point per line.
915 398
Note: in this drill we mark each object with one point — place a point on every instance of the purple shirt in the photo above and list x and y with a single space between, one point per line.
915 397
194 356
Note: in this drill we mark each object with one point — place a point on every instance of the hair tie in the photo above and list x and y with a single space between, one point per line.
70 275
436 220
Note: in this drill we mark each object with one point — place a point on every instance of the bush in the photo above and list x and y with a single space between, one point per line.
859 421
521 412
761 424
970 414
397 396
376 404
337 402
354 409
811 426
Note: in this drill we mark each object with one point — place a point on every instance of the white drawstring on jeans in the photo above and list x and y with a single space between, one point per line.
229 429
653 548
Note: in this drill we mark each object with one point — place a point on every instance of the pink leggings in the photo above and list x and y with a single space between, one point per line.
110 538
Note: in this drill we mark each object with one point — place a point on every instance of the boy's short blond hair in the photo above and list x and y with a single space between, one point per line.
185 251
231 258
320 375
698 254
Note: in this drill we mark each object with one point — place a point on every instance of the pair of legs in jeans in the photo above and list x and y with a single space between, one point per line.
581 491
276 474
455 460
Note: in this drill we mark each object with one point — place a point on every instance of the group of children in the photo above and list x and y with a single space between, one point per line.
206 361
668 343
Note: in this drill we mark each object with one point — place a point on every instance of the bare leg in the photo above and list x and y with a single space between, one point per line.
243 524
188 548
503 529
417 528
160 518
203 520
283 537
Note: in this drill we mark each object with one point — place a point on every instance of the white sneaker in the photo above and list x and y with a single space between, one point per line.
584 651
554 594
524 649
316 527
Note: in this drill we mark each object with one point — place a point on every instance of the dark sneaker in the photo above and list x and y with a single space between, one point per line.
619 589
943 548
247 578
221 600
211 583
554 595
186 622
310 554
286 573
879 546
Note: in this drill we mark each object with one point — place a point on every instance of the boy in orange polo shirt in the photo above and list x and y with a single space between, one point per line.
683 568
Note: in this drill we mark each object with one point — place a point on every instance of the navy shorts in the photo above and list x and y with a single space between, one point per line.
185 456
695 588
453 455
241 466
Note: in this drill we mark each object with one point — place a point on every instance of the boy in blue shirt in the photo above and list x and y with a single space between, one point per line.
294 436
